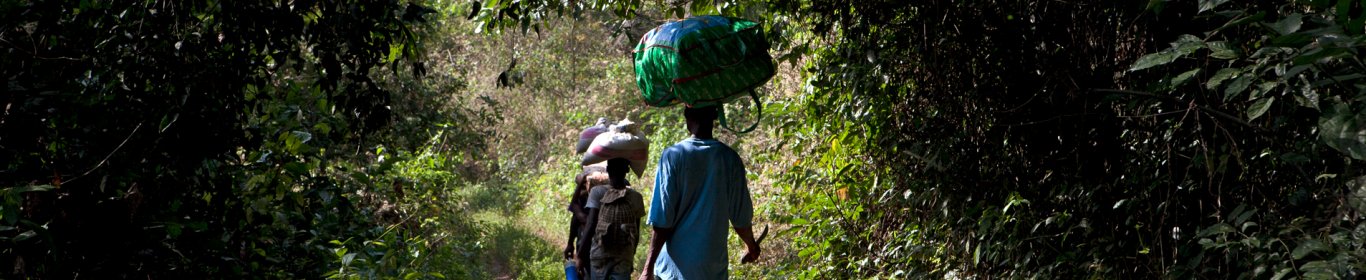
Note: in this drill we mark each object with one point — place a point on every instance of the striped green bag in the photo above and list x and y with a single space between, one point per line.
703 61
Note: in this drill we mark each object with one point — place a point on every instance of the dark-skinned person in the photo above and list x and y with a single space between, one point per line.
579 215
613 228
700 192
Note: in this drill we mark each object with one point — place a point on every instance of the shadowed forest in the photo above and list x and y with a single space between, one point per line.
433 139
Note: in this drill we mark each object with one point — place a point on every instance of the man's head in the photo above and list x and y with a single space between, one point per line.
700 120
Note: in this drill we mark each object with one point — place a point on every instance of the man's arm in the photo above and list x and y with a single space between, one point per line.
751 246
657 240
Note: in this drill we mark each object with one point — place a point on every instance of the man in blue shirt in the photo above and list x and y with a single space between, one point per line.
700 191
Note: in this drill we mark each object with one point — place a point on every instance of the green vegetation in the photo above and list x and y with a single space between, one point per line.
933 139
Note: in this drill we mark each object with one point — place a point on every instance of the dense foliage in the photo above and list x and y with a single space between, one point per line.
1031 139
249 138
1069 140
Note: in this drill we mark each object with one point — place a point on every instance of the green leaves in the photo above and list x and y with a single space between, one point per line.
1307 247
1183 46
1342 128
1184 77
1207 5
1260 107
1222 50
10 201
1288 25
1221 76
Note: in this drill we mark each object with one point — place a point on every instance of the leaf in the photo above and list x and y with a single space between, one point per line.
1238 86
36 188
1183 46
1262 89
11 215
1154 59
1220 228
1222 75
1280 274
25 236
1243 216
1206 5
173 229
1307 247
395 51
1340 128
302 136
1221 50
1184 77
1260 108
1319 56
1289 24
1293 40
346 260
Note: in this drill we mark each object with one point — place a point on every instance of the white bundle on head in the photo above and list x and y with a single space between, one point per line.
622 140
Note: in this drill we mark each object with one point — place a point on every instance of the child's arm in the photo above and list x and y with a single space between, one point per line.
586 240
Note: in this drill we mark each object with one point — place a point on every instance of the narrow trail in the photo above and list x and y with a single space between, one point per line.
521 237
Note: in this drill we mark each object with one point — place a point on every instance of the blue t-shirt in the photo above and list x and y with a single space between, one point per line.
700 192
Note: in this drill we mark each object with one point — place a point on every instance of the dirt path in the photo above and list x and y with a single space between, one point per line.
520 240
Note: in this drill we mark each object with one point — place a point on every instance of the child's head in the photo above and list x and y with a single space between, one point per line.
617 167
598 179
581 180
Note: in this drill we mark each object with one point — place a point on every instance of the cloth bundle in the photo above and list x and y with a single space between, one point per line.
586 137
622 140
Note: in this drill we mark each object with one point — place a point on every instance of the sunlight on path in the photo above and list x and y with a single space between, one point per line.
521 240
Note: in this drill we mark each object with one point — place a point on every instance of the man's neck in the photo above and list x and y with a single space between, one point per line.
700 131
704 133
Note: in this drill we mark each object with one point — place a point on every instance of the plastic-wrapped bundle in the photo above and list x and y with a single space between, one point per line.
586 137
702 61
622 140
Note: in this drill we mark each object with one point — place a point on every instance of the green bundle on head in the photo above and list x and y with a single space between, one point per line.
702 61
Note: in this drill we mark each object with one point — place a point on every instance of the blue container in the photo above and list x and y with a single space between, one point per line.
570 271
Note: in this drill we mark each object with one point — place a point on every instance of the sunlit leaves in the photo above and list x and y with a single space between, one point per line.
1344 129
1221 76
1183 46
1222 50
1207 5
1184 77
1288 25
1260 107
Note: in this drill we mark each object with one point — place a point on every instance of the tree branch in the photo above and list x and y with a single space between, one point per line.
111 154
1203 108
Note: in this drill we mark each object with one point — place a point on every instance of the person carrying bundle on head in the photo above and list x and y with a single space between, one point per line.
700 191
614 209
592 175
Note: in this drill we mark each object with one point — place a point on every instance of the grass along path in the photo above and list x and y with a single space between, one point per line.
523 229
